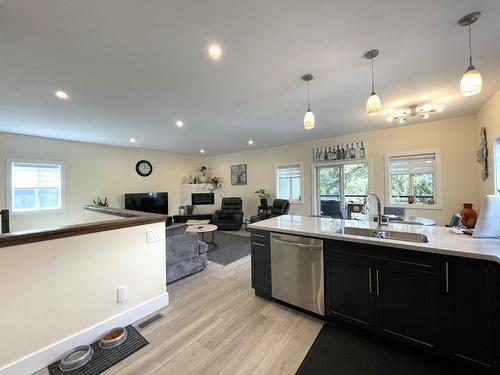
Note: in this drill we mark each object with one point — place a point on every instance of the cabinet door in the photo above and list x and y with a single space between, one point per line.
468 310
349 288
408 304
261 268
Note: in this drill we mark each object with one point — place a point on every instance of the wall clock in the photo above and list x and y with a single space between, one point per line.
143 168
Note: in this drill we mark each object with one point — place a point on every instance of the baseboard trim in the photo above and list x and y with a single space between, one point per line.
42 358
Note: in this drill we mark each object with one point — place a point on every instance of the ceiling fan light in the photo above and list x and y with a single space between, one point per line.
440 108
402 121
390 119
373 105
471 82
309 120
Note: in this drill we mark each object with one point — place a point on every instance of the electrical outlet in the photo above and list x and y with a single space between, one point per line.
121 293
153 235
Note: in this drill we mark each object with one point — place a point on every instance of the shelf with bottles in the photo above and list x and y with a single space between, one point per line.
345 151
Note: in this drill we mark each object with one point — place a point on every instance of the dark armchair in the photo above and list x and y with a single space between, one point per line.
230 215
279 207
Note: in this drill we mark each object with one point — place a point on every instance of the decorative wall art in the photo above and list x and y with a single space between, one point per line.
482 153
239 174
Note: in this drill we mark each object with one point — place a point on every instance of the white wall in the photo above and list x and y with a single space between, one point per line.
455 138
93 170
489 117
54 289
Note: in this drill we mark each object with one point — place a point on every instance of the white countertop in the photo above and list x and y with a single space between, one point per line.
441 241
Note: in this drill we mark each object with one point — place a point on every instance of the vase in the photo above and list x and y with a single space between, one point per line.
469 216
263 202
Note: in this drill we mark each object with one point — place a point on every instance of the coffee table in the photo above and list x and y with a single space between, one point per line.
202 230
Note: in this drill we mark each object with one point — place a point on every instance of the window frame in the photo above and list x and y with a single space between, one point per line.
8 179
276 187
437 181
496 166
315 201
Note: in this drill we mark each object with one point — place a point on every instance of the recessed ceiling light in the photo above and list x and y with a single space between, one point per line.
62 95
132 140
250 142
214 51
179 123
202 151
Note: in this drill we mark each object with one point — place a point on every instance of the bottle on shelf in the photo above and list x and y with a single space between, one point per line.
342 152
357 149
362 153
334 154
353 151
316 155
326 154
330 153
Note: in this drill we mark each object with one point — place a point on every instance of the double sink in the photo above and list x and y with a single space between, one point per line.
385 234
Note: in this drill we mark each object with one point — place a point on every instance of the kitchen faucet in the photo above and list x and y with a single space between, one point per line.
379 211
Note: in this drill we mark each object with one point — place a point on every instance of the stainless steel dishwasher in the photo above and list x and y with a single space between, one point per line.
297 271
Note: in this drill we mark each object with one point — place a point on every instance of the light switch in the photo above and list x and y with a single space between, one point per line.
121 293
153 236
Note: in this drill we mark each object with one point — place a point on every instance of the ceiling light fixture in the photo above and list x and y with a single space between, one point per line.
62 94
472 81
373 104
214 51
415 111
250 142
309 119
179 123
132 140
202 151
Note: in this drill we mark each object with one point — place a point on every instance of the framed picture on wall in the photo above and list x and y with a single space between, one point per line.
239 174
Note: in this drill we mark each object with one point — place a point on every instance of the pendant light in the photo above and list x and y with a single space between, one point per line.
309 120
373 104
471 82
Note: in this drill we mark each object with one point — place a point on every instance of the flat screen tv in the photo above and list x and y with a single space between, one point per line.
147 202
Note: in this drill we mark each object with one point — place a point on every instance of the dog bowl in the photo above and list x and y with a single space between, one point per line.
113 338
76 358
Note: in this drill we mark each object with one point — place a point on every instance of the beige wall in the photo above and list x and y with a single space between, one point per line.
54 289
455 138
489 117
93 170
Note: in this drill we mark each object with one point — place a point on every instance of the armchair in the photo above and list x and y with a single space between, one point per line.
230 216
279 207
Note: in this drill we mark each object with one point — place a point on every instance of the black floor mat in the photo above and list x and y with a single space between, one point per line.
337 351
104 359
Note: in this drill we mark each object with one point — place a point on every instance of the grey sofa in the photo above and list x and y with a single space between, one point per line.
185 253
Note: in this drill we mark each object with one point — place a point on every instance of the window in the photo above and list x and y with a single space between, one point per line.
35 186
413 180
289 182
497 166
347 183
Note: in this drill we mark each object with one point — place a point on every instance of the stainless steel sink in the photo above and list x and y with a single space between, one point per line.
385 234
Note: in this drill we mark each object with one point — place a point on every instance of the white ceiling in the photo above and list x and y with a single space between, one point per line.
133 68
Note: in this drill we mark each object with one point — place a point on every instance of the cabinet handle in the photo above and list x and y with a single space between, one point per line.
370 279
378 284
259 235
259 244
447 280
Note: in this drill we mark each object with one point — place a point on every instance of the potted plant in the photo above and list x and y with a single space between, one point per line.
101 203
264 196
189 209
216 183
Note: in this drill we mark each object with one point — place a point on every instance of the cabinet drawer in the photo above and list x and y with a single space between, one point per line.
260 236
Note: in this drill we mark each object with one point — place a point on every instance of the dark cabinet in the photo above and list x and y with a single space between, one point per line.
261 263
349 293
470 300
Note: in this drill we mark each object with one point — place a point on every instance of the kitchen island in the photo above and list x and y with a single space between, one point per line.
423 286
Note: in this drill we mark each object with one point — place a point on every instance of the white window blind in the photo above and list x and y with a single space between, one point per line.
36 186
497 166
289 182
414 164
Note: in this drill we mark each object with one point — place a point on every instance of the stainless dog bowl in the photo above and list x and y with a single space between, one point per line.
76 358
111 343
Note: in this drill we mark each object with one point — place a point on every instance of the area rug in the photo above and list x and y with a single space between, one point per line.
230 247
337 351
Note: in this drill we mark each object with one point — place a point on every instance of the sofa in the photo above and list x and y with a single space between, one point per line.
279 207
185 253
230 215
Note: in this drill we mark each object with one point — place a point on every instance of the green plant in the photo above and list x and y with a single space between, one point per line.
216 183
101 203
263 194
190 207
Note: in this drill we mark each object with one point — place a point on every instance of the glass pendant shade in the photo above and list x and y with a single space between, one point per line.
373 105
309 119
471 82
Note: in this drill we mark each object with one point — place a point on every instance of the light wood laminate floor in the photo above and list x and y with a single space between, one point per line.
216 325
